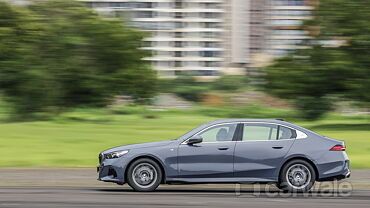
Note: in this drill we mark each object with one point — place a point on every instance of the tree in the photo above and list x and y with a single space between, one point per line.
56 55
336 64
349 22
308 78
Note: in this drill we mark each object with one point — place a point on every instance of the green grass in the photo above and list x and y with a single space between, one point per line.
75 139
76 143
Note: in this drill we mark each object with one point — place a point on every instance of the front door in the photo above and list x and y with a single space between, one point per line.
211 159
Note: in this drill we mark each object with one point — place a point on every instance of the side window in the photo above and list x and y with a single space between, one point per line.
224 132
286 133
260 132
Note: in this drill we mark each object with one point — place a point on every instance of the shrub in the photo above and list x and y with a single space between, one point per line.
129 110
312 108
230 83
190 93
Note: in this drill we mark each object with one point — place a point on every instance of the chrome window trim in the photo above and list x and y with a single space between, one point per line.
216 142
185 141
304 135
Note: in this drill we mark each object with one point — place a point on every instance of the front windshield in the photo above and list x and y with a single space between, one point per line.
192 132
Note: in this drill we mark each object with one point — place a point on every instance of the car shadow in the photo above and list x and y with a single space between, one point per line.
275 193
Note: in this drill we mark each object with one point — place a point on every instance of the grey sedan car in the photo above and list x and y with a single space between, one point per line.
230 151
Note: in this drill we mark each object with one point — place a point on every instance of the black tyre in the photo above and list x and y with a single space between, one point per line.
297 176
144 175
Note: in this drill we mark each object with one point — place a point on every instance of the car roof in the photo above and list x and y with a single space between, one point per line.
248 120
276 121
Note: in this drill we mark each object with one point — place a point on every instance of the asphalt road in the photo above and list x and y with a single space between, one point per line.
50 192
167 197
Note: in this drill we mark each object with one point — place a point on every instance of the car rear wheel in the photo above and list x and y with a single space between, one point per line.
144 175
297 176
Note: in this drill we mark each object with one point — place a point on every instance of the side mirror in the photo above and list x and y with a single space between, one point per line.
195 140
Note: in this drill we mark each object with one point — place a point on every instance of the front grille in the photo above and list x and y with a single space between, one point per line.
101 158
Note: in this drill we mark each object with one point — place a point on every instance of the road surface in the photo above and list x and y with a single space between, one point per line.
79 188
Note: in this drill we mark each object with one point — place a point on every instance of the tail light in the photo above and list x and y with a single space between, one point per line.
338 148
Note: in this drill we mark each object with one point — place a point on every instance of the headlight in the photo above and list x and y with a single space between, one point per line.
116 154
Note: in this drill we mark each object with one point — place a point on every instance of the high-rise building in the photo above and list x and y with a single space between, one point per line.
204 37
257 26
186 35
284 19
281 31
245 31
236 35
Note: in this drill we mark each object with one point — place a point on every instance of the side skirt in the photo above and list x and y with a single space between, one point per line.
219 180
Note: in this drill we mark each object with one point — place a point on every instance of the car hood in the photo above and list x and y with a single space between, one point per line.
137 146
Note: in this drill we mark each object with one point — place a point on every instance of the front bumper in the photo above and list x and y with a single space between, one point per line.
109 174
112 170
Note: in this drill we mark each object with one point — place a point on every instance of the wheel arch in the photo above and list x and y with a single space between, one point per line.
155 159
300 158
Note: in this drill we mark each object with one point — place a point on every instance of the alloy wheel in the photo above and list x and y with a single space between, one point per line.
298 176
144 175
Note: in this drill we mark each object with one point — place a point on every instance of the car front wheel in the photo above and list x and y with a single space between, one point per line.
297 176
144 175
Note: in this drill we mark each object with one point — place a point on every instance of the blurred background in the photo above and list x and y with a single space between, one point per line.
78 77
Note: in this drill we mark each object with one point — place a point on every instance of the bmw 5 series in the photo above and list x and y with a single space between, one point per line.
230 151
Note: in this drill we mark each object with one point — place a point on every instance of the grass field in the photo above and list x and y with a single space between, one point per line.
75 139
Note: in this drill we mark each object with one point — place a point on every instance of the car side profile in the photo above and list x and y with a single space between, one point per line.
230 151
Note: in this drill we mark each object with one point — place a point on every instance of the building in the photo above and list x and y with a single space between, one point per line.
284 19
245 33
281 32
186 35
206 37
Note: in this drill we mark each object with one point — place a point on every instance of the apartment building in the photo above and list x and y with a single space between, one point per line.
280 33
245 32
206 37
284 20
186 35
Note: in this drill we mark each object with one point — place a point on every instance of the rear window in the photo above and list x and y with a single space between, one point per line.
259 132
286 133
266 132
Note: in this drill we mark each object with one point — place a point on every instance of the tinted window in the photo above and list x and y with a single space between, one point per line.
286 133
219 133
259 132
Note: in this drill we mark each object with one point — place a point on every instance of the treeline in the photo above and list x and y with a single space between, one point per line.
336 65
56 55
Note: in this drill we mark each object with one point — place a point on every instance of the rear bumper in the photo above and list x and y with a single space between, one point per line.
337 177
343 174
348 174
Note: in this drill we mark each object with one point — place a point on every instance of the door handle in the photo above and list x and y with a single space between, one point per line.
277 147
223 148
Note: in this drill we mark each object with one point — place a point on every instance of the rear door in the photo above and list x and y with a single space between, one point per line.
261 150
